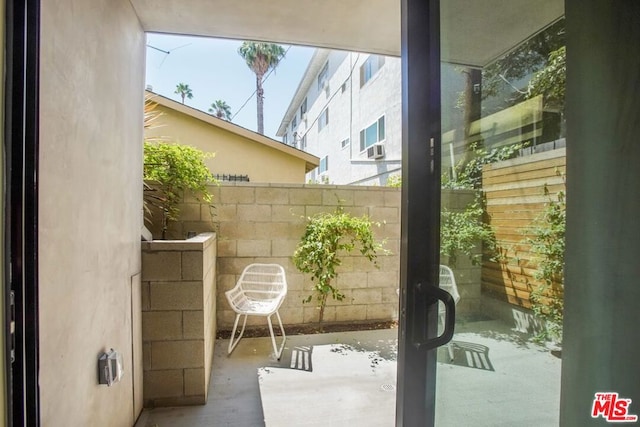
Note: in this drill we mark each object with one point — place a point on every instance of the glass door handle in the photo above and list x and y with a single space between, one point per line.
433 294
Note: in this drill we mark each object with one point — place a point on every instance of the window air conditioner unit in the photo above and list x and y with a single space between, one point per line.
376 151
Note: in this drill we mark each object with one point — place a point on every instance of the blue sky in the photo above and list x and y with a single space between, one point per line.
213 70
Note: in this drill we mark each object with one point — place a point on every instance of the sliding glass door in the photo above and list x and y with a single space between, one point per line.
483 195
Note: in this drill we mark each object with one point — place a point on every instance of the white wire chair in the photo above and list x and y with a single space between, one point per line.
448 283
260 291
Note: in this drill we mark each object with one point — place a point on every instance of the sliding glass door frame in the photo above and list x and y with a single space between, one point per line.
420 234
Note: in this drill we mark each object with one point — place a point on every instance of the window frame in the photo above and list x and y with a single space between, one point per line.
380 135
371 66
323 123
303 107
324 160
323 76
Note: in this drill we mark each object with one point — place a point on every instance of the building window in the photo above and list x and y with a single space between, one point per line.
323 120
284 139
344 143
303 143
370 68
303 107
294 122
324 165
343 88
323 76
372 134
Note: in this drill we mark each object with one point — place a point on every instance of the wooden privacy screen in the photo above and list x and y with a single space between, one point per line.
514 191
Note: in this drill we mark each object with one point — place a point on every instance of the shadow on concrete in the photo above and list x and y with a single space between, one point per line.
301 358
469 355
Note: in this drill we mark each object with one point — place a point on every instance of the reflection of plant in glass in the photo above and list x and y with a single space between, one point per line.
469 174
327 237
499 77
548 244
550 82
461 232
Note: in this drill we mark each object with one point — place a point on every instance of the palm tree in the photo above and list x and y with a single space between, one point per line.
184 91
221 110
260 58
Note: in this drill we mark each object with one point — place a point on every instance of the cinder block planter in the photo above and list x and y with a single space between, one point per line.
178 319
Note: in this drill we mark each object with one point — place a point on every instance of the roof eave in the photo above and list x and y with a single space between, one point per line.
315 63
311 161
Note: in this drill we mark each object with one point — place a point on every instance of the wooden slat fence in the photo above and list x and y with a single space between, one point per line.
514 191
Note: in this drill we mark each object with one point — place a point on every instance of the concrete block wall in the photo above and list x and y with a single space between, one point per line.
264 223
178 319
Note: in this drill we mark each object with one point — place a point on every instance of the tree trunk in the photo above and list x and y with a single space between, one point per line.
471 110
260 103
323 304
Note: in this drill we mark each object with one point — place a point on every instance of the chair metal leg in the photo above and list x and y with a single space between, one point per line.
233 342
450 345
450 348
278 352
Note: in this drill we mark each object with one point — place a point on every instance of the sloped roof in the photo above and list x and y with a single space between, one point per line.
311 161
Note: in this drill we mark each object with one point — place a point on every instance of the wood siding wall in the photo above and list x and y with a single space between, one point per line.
514 191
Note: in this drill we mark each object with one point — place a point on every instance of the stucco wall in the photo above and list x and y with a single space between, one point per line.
92 82
234 154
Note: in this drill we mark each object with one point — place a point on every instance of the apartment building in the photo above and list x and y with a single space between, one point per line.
347 111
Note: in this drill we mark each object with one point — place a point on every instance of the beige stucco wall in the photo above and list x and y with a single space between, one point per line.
90 199
234 154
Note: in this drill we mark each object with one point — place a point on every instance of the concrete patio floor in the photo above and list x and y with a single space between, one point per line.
497 378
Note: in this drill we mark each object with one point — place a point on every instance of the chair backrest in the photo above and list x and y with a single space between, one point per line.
263 281
448 282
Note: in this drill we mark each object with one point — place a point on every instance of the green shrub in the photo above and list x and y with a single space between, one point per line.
460 233
176 168
327 237
548 245
394 181
468 175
